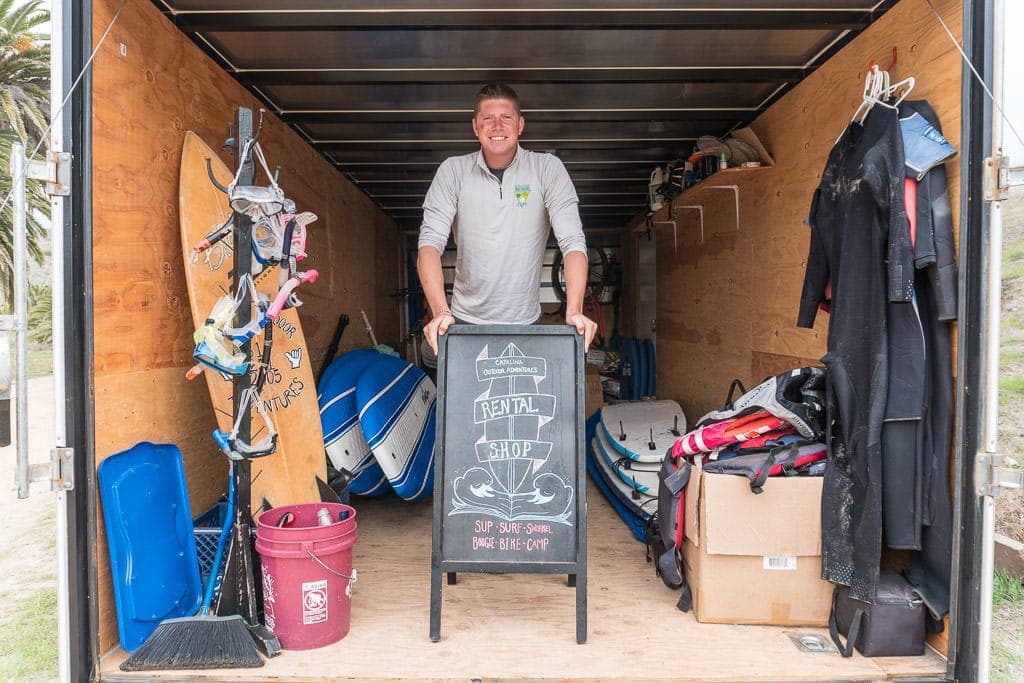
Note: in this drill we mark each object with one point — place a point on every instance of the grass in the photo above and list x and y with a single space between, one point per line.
40 362
1013 260
1011 387
1007 629
42 532
1011 360
28 636
1008 591
28 625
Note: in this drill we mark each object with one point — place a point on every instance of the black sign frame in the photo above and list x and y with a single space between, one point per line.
571 457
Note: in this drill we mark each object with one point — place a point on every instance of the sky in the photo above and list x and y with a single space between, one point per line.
1013 95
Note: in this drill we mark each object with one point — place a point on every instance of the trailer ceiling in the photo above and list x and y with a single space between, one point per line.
384 89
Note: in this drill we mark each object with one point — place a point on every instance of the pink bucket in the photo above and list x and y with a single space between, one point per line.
307 573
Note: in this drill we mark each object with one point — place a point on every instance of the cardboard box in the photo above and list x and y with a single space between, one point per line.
593 391
755 558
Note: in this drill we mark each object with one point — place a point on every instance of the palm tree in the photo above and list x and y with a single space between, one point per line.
24 104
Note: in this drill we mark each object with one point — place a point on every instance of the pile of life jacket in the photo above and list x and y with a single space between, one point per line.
775 429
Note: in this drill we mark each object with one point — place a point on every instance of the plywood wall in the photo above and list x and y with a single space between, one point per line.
150 85
727 308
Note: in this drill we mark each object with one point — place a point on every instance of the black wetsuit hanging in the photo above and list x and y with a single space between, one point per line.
860 246
936 286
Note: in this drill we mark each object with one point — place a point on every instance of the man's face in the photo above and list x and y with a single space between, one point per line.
497 127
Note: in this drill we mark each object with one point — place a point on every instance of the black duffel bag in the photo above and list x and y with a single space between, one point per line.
891 626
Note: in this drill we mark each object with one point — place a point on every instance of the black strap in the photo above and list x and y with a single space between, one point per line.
789 464
678 480
286 246
268 343
736 383
625 463
757 480
685 598
854 630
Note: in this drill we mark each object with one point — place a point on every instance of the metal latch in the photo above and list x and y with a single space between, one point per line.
55 170
991 477
59 471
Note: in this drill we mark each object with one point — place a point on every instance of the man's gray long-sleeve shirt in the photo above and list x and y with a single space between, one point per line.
501 230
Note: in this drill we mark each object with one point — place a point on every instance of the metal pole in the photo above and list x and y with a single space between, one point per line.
18 169
57 290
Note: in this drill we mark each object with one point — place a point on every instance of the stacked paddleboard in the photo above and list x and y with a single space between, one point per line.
627 447
378 416
639 368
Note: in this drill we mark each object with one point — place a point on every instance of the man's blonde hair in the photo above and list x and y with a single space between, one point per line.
495 91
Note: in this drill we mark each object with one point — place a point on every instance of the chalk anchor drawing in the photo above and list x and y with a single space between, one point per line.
513 484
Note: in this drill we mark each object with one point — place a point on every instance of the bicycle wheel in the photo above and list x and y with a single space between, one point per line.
597 274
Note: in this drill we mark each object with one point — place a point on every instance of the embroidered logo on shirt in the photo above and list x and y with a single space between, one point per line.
522 194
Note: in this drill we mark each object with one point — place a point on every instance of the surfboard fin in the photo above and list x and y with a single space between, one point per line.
327 494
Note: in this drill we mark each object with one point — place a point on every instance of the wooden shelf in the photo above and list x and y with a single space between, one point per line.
696 195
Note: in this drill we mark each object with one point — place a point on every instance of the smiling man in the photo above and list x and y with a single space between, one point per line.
501 203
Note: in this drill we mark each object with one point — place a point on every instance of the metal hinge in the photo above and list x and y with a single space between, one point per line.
992 478
999 177
59 471
55 170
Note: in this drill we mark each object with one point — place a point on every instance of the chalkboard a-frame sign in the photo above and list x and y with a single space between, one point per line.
509 477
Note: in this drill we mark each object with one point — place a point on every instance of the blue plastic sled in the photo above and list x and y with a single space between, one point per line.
153 560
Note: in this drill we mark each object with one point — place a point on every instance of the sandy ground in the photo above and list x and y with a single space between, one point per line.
30 558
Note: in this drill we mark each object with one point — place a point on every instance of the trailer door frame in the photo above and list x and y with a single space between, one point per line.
968 649
71 40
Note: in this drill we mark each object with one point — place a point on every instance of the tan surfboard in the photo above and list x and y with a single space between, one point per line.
287 476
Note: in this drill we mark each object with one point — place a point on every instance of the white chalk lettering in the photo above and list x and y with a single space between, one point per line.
537 544
508 406
502 450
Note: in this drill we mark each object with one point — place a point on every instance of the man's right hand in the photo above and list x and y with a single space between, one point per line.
437 325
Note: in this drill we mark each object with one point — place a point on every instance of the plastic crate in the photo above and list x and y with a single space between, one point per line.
207 528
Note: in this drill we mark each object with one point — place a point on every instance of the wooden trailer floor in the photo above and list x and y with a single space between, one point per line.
522 627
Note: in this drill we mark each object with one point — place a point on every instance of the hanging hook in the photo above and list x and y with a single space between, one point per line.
259 126
892 65
231 143
209 172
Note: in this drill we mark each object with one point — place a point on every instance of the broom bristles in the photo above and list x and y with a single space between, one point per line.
200 642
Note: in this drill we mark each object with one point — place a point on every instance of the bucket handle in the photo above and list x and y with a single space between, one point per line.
351 579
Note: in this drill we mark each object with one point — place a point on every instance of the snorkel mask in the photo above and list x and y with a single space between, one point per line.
235 448
218 343
253 199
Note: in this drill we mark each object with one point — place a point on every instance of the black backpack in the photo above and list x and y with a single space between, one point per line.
665 528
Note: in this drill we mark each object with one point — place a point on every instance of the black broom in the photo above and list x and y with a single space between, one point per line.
204 641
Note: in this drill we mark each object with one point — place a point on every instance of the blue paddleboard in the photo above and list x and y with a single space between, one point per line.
627 368
639 370
652 367
634 516
343 436
638 476
396 409
636 502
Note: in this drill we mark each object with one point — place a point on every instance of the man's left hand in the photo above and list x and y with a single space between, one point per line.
583 325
